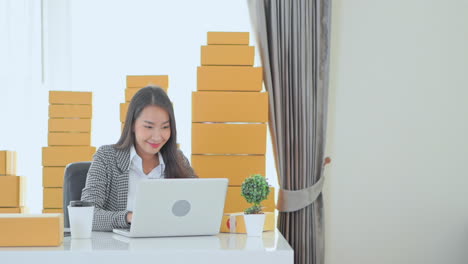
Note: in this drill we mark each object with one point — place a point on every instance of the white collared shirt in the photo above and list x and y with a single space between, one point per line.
136 175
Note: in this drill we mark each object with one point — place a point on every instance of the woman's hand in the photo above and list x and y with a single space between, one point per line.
129 217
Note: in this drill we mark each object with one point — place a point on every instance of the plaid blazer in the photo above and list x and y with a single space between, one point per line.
107 187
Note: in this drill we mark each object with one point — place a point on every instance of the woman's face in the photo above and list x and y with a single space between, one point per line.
152 130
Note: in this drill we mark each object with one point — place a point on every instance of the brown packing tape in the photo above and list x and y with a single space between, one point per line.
236 203
12 189
69 97
140 81
229 78
227 55
69 139
53 198
20 230
228 138
229 107
62 156
53 176
234 167
70 111
228 38
70 125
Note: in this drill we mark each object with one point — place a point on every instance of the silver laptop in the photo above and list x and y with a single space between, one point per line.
177 207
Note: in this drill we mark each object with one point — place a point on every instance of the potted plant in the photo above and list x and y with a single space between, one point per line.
255 189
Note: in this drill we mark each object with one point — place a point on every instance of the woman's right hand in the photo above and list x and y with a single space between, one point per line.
129 217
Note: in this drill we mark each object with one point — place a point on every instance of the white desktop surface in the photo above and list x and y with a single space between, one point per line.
107 247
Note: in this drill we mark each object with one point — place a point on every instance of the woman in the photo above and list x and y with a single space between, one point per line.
146 149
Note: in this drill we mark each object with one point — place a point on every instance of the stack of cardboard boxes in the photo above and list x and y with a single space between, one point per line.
12 187
30 230
69 140
135 83
229 115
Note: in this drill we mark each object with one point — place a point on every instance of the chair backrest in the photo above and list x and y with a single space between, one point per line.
73 183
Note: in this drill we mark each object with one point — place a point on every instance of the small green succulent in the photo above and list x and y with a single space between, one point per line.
255 189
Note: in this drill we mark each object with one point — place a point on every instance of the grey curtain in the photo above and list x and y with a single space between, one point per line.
293 37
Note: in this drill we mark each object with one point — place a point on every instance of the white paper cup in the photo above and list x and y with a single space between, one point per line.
81 221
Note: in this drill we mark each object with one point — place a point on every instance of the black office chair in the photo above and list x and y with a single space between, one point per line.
73 183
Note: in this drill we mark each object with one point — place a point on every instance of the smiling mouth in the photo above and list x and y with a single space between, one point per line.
155 145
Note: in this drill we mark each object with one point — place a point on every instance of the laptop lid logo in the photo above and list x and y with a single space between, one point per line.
181 208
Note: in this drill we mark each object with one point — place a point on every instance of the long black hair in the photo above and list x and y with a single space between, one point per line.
147 96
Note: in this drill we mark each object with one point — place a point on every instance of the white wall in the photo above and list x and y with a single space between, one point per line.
397 188
23 113
92 45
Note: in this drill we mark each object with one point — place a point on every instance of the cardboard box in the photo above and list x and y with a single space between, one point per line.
70 98
69 139
62 156
70 111
7 162
234 167
69 125
12 190
229 78
234 223
123 111
228 138
229 107
53 198
13 210
130 92
53 176
52 211
236 203
28 230
140 81
227 55
228 38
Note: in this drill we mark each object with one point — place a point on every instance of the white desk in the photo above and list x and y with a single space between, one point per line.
106 247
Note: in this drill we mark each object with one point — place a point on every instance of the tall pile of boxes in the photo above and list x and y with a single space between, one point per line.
69 140
135 83
12 187
229 115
